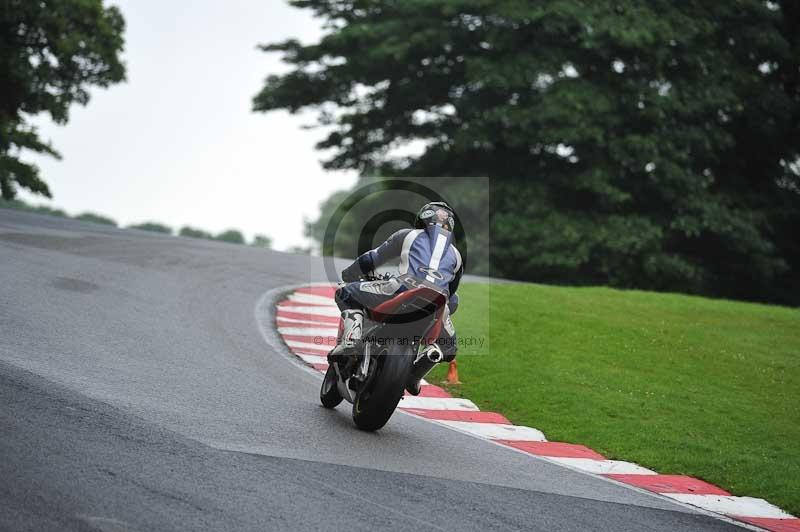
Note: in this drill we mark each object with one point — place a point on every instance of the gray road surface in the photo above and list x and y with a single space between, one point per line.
137 393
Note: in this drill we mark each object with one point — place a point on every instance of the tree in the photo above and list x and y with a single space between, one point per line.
40 209
96 218
191 232
262 241
51 51
638 144
231 235
153 227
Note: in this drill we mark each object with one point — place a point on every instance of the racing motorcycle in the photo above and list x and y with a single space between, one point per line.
397 334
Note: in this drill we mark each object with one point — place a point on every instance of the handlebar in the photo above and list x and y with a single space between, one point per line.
371 277
376 277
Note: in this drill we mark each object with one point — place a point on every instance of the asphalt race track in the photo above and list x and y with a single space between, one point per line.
137 393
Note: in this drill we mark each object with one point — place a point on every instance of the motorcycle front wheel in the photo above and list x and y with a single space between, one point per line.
377 400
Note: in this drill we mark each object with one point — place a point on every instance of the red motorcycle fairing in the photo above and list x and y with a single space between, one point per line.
410 303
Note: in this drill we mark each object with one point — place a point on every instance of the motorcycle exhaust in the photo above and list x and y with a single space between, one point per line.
433 353
426 360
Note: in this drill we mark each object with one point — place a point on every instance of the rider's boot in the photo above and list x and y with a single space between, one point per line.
350 335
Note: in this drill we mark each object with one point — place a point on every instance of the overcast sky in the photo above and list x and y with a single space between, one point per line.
178 143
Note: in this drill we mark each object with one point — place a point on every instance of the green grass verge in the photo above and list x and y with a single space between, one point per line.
679 384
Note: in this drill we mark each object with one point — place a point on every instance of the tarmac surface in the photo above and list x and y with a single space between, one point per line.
138 393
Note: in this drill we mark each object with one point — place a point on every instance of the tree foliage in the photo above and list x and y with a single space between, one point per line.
651 144
233 236
262 241
192 232
153 227
20 205
96 218
51 51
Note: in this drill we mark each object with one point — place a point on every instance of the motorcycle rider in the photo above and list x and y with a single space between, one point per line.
426 252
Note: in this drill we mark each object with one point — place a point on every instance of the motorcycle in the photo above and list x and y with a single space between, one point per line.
397 335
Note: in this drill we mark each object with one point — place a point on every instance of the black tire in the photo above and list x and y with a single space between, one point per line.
376 402
329 394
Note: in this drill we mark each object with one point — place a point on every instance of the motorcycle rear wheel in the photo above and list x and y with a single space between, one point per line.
377 400
329 394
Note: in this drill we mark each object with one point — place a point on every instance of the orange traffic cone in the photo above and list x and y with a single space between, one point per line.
452 374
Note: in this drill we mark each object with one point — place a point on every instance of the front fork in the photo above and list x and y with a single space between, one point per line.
350 380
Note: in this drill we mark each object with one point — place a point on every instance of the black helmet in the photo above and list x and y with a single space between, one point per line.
435 212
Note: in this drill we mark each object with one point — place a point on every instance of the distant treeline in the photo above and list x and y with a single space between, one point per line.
233 236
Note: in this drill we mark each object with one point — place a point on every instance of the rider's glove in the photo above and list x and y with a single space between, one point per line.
352 273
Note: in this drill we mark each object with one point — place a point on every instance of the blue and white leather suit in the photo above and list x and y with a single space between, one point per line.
428 254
